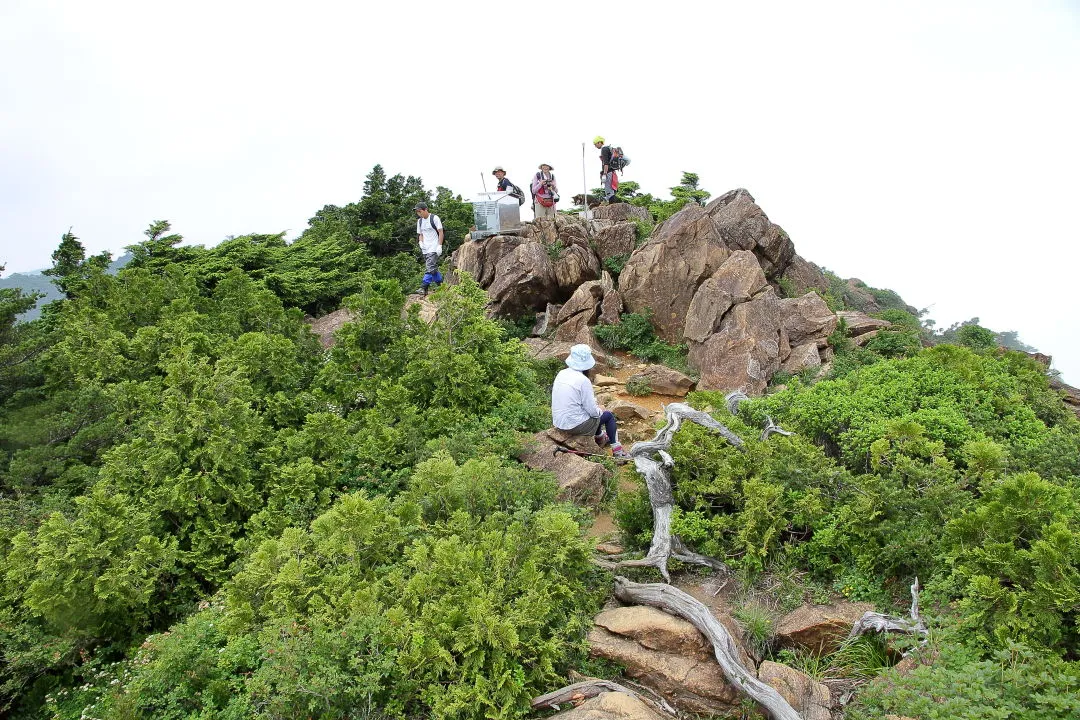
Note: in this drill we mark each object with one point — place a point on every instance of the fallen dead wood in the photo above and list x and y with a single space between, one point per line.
657 474
590 688
675 602
878 623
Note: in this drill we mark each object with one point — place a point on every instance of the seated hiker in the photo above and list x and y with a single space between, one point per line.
573 404
430 235
545 192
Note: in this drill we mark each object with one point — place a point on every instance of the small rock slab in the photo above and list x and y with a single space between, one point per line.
625 410
579 480
611 706
819 628
664 380
605 381
806 696
328 324
859 323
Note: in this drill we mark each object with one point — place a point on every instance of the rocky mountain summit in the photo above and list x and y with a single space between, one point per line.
712 277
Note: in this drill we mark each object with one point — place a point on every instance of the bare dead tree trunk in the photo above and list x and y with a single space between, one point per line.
657 474
676 602
878 623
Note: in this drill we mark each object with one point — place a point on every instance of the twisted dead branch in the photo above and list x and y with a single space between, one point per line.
657 474
878 623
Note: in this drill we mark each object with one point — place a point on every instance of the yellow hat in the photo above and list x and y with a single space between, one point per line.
598 139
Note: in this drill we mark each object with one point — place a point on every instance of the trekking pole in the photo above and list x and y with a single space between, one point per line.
483 180
585 183
580 453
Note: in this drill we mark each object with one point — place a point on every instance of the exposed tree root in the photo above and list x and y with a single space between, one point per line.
676 602
657 474
589 688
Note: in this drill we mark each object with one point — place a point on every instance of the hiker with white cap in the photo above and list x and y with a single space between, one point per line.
430 236
545 192
573 404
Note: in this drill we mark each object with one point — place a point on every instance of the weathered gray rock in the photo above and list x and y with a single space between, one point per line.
328 324
737 280
802 357
621 212
524 281
611 706
580 311
479 258
859 323
625 410
805 276
579 480
807 318
745 226
746 351
605 381
819 628
664 381
664 274
574 265
693 682
806 696
618 239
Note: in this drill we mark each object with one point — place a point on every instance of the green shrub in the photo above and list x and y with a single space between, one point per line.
962 684
642 230
639 386
759 629
615 264
635 333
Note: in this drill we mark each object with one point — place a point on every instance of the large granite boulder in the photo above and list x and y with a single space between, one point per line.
621 212
802 357
524 281
805 276
618 239
807 319
664 274
667 655
745 226
737 280
580 312
479 258
747 350
575 264
580 480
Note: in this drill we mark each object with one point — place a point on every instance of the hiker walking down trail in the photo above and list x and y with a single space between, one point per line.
573 404
430 235
608 177
545 192
506 186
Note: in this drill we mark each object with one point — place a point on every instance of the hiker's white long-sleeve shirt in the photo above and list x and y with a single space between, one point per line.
572 400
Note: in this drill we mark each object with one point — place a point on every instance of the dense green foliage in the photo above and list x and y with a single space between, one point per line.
177 446
634 332
683 194
955 465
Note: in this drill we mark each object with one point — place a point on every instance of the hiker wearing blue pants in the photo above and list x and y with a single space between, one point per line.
573 404
429 234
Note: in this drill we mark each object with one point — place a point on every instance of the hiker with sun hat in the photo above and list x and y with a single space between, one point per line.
573 404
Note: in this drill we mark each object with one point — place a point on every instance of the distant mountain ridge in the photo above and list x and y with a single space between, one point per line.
36 282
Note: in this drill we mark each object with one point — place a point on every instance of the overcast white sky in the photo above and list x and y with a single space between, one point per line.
928 147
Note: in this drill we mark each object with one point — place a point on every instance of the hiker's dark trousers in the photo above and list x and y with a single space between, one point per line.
592 426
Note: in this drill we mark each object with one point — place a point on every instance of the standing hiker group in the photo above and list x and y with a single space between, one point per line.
573 402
